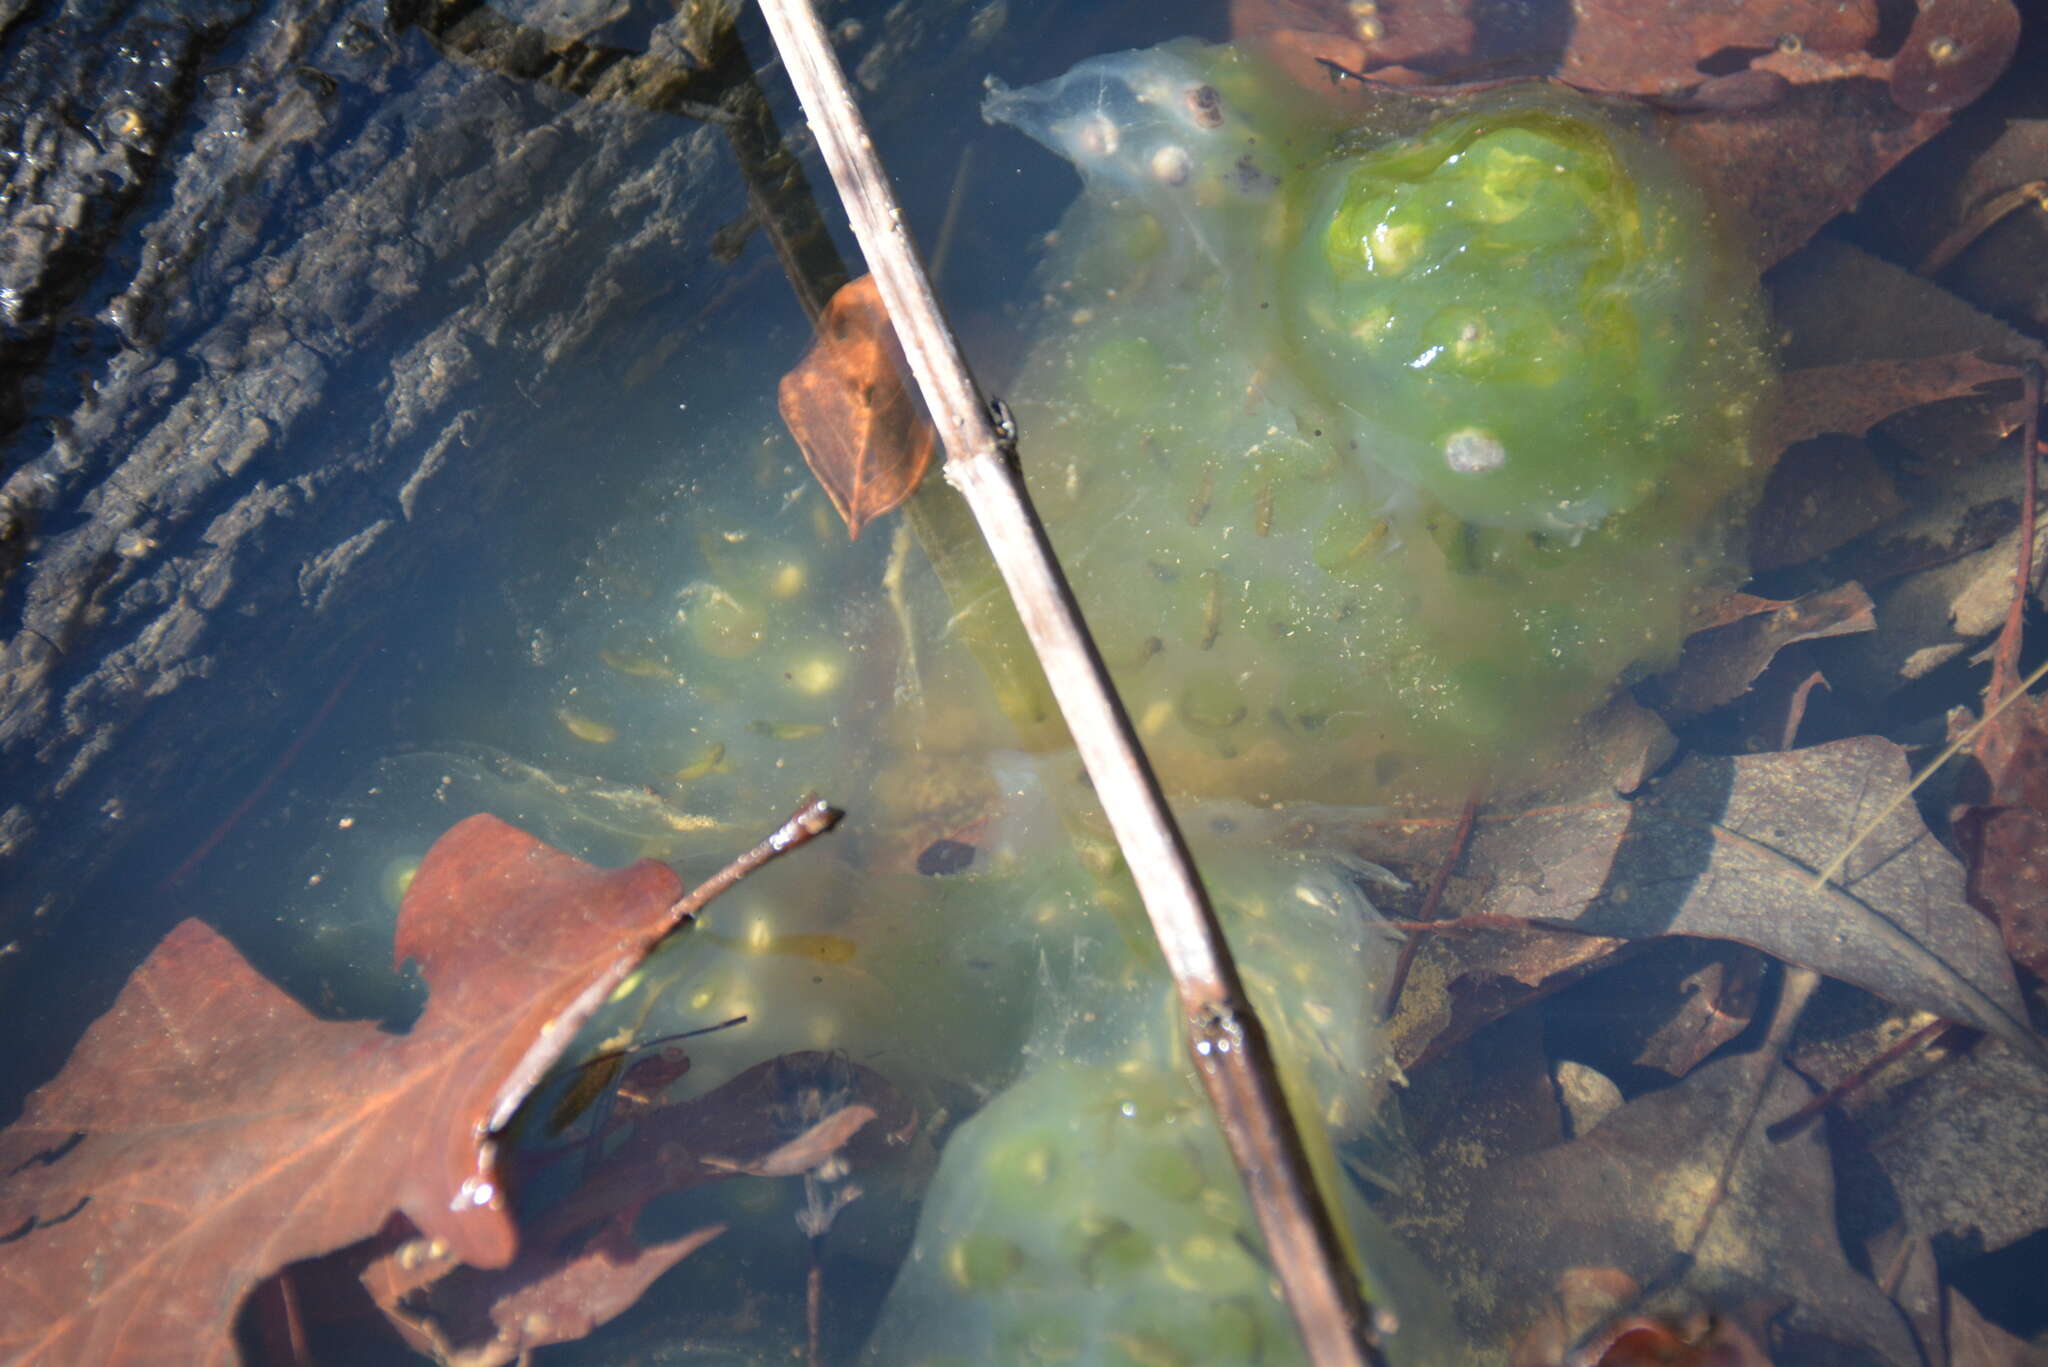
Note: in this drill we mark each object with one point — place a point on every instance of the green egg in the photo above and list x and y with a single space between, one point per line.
981 1263
1109 1251
1211 1264
1211 704
1023 1169
1168 1170
1232 1329
1138 1348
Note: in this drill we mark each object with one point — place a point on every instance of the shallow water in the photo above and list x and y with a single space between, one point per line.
662 643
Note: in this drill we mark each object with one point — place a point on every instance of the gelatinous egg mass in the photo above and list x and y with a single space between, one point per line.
1396 450
1519 311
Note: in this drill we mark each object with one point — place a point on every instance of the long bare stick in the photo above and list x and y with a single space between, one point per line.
1229 1047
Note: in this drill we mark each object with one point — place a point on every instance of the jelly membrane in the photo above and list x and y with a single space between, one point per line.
1376 458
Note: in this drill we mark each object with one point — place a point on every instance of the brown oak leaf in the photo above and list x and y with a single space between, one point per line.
208 1129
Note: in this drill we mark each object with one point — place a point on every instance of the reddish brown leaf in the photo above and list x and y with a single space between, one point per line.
2005 833
1698 1340
1853 398
480 1319
1656 47
1476 969
743 1128
1955 50
1317 41
1732 608
846 404
2005 838
1789 168
208 1130
1781 108
1709 1005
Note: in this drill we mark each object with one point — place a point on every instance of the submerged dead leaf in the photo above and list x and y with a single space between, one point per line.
484 1319
1585 1326
1952 1143
861 431
1664 47
1786 169
1853 398
580 1263
1974 1341
209 1130
1719 664
1318 41
1504 1235
1953 53
1724 848
1674 1005
1786 110
2005 838
1822 494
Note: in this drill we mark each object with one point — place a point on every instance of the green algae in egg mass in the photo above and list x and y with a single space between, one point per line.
1378 459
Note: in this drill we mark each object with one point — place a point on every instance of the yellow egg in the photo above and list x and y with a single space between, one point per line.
396 880
638 666
711 760
814 678
587 728
786 730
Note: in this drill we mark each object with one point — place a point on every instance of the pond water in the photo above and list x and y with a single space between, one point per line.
655 635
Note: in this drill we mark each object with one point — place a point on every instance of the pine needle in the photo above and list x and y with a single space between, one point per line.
1961 743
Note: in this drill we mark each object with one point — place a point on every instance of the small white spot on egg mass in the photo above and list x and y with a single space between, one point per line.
1170 165
1474 451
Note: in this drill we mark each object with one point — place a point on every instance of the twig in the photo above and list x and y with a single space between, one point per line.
1955 747
1793 994
2005 668
2034 192
2006 662
1793 1124
1229 1048
812 818
1431 900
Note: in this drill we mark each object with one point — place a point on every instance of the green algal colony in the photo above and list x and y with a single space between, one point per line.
1374 458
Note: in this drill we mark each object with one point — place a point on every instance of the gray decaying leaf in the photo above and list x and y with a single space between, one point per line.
1726 848
1953 1143
1720 664
1974 1341
1685 999
1836 304
1822 494
1630 1196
